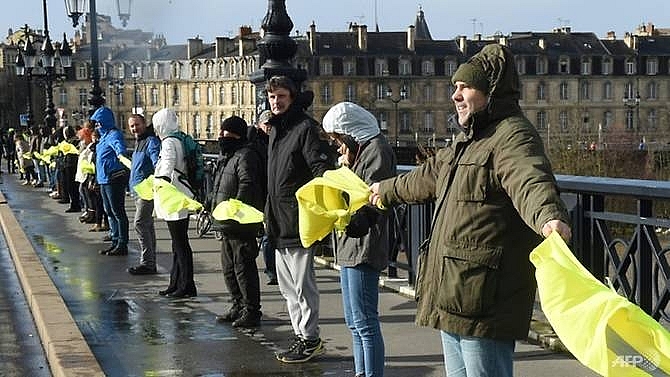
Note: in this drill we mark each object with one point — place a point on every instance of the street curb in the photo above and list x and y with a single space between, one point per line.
64 345
540 333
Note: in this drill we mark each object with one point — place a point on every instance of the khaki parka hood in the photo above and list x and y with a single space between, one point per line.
492 70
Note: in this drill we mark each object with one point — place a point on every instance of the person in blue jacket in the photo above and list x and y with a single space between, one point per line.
113 179
145 157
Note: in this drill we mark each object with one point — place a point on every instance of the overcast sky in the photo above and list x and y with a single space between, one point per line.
182 19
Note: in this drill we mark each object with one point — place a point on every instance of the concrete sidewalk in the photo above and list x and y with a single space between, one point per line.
57 301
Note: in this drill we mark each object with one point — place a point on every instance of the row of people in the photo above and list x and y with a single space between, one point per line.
495 198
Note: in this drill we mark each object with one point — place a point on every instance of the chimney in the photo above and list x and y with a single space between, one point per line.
194 47
312 38
611 35
542 43
411 36
363 37
478 37
220 46
463 44
245 30
502 40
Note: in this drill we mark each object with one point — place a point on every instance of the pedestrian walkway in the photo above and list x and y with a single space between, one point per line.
134 332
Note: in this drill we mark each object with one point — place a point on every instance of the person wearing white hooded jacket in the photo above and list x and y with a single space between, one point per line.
171 161
362 251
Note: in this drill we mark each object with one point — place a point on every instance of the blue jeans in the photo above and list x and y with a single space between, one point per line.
360 296
473 356
114 201
268 251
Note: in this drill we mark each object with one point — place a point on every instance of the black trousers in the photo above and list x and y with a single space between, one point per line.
238 260
181 274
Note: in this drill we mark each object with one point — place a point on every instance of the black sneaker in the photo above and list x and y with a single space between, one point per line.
142 270
302 351
233 314
248 319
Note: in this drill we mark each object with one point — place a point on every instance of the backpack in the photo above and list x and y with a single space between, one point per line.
195 164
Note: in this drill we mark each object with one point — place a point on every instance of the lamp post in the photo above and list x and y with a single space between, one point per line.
115 87
137 99
389 96
27 61
123 7
75 9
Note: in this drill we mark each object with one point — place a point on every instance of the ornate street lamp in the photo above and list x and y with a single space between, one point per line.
27 61
75 9
389 96
123 8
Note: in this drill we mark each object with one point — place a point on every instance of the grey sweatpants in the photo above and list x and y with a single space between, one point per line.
297 283
146 232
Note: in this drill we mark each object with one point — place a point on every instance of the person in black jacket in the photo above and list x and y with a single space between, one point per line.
239 171
297 154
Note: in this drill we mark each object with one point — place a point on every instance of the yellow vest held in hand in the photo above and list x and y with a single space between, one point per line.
602 329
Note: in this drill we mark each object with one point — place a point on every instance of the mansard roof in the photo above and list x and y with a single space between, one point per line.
558 42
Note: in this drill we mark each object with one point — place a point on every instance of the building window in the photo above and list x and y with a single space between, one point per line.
629 90
176 70
586 66
404 67
381 67
630 66
326 67
607 90
541 65
450 90
154 96
607 66
564 65
233 68
428 122
541 120
175 95
350 95
608 120
210 70
428 94
196 95
630 118
564 91
427 68
652 121
381 91
652 90
83 97
349 68
586 90
405 122
541 92
222 95
210 95
563 120
521 65
233 95
62 97
382 117
652 66
326 96
450 67
196 125
209 130
586 121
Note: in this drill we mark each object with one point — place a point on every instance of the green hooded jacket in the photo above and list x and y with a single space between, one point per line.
494 190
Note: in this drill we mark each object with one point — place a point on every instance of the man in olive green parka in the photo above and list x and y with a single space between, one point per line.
495 197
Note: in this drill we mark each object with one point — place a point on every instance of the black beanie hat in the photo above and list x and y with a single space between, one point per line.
235 125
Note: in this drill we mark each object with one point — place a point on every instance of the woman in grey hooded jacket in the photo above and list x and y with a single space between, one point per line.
362 251
171 161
